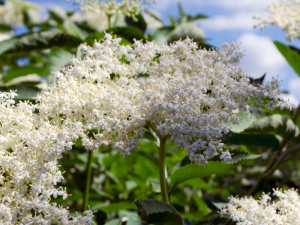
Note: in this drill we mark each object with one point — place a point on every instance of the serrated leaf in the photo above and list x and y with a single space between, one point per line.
153 211
291 56
262 140
191 30
37 41
242 157
246 119
193 170
274 124
57 58
155 184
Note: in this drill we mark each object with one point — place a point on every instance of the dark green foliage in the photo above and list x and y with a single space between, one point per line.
153 211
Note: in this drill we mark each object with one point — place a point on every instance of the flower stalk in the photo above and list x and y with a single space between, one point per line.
88 181
162 170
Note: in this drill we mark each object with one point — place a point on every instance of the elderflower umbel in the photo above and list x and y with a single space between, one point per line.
190 95
286 15
246 211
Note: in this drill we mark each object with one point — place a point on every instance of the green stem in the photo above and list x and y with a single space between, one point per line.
109 22
88 181
162 170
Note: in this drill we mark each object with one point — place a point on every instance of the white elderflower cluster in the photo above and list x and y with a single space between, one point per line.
11 13
29 149
189 96
129 8
286 15
248 211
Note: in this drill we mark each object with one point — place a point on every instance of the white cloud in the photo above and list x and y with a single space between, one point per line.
237 21
261 56
291 98
253 5
294 87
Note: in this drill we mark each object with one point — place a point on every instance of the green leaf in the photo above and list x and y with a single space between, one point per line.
161 35
153 211
24 92
4 27
181 12
58 14
114 222
73 30
291 56
216 203
22 71
201 205
37 41
193 170
213 219
155 15
274 124
246 119
243 157
140 23
197 17
191 30
90 40
172 21
262 140
115 207
155 184
128 32
257 81
57 58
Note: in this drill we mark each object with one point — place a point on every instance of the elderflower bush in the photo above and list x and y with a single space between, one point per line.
250 211
189 96
284 14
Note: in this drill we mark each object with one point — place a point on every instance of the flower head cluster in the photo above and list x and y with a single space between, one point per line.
129 8
11 13
247 211
190 95
29 149
285 14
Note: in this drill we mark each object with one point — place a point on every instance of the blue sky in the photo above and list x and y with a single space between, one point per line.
231 20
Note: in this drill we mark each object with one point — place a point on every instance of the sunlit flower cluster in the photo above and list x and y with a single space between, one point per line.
189 95
11 13
248 211
285 14
129 8
29 148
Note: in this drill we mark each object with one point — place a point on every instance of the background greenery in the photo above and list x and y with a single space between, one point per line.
265 145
